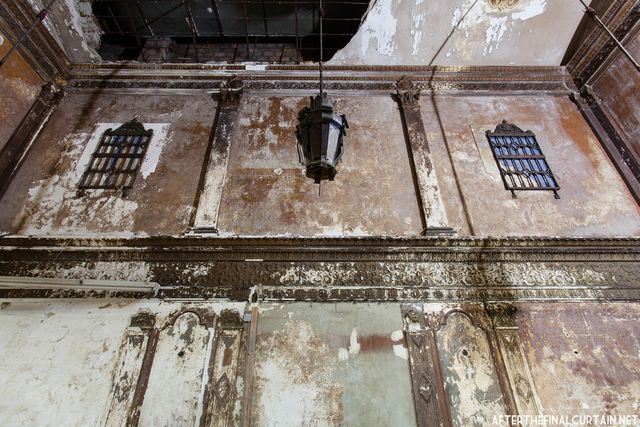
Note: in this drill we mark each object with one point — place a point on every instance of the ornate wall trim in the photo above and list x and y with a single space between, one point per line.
348 269
208 77
598 49
517 370
18 145
209 195
40 49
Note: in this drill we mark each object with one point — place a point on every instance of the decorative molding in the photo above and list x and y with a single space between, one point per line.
39 49
128 368
426 380
348 269
224 368
207 205
515 362
477 317
14 151
212 77
597 49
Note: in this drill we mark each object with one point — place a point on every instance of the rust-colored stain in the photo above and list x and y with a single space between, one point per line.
266 191
226 359
583 354
161 203
577 130
375 343
19 86
619 90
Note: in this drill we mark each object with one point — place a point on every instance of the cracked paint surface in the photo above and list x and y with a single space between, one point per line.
60 356
43 199
594 200
471 381
462 32
267 193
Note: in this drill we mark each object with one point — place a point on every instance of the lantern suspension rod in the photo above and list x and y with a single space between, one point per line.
39 18
321 13
592 13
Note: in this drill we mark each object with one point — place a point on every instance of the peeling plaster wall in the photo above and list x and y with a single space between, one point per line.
43 200
463 32
72 24
19 87
619 90
58 357
330 365
469 373
583 356
593 199
315 364
267 193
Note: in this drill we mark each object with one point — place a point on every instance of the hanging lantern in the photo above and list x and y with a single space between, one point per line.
319 133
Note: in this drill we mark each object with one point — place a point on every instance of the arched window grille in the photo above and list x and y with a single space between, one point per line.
117 158
520 160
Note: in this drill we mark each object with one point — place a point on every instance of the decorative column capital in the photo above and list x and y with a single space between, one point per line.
407 92
502 315
231 90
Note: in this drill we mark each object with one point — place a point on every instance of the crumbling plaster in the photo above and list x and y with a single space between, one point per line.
72 24
59 357
330 365
267 193
19 87
463 32
43 198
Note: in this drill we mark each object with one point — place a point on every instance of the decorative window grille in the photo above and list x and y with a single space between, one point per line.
520 160
117 158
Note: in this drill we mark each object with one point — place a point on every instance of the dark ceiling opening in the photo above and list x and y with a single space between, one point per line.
274 31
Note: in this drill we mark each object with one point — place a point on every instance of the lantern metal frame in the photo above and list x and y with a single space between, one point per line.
320 131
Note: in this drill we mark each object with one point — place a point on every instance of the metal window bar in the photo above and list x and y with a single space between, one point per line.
520 160
117 158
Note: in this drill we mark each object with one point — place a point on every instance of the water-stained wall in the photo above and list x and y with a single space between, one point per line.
43 198
583 356
463 32
326 364
105 361
593 199
619 90
267 193
65 361
19 87
260 187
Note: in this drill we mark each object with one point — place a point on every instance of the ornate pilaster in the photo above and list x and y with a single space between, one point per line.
429 399
225 365
212 181
128 367
432 213
517 369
